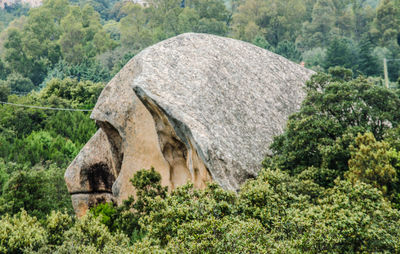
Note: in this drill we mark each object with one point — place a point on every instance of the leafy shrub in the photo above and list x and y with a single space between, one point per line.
18 83
89 235
349 218
41 147
72 90
126 217
372 162
269 196
21 232
56 224
275 213
226 235
183 206
38 191
107 214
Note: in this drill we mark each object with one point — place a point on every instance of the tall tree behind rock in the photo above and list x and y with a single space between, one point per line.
317 31
386 24
338 54
276 20
367 62
288 49
83 36
364 14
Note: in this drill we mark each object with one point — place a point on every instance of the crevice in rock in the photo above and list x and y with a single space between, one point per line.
115 140
172 148
90 192
177 149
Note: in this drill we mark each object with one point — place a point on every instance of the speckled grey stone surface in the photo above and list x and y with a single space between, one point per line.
226 97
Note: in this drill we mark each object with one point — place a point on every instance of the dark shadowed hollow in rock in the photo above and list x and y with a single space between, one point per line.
196 107
98 177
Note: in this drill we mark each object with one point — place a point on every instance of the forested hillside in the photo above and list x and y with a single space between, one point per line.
331 185
79 38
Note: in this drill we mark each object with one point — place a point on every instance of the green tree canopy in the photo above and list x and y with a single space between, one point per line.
288 50
331 115
338 54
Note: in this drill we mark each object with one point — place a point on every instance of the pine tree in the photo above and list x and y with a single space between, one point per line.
367 63
288 50
261 42
338 54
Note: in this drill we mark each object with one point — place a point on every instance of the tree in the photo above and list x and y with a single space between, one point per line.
14 54
4 91
213 16
83 36
332 114
37 191
364 14
103 7
135 33
372 162
315 58
88 69
317 32
261 42
4 71
387 21
34 48
17 83
367 62
338 54
288 50
276 20
393 66
398 39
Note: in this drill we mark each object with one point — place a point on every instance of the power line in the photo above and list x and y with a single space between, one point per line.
49 108
19 93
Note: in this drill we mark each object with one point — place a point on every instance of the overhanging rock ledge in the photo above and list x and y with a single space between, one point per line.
197 107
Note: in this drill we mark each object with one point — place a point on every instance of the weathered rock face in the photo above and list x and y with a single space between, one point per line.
196 107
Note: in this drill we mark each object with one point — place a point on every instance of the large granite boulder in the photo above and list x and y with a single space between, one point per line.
196 107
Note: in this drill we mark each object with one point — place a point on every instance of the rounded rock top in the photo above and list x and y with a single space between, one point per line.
197 107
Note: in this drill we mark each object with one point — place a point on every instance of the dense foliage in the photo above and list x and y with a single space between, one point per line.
36 145
91 40
273 213
334 111
331 185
